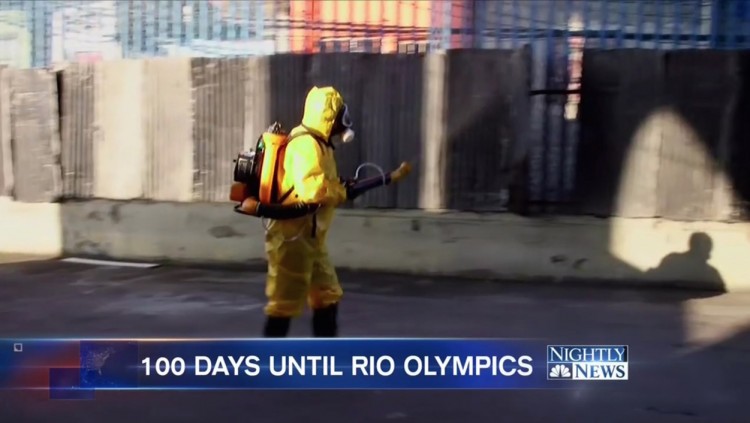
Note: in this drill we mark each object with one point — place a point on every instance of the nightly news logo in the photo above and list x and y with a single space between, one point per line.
587 362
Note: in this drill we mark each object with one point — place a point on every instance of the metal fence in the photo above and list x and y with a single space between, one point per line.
41 33
52 32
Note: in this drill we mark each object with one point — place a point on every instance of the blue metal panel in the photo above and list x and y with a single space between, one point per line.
660 24
640 18
480 22
676 29
146 28
716 23
516 17
623 24
447 19
697 27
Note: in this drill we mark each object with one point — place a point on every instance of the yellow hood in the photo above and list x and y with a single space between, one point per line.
321 108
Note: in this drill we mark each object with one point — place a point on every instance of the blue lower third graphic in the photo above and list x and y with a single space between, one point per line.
587 362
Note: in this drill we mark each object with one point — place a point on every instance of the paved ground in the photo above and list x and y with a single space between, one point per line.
690 353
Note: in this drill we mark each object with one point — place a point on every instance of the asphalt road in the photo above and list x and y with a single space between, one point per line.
690 353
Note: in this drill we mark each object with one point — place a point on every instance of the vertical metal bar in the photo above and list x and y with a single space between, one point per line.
175 20
163 16
353 28
697 27
399 4
731 23
639 26
479 19
603 38
564 139
189 17
659 32
334 27
515 19
234 17
433 22
38 34
217 19
124 25
260 21
585 18
623 23
245 17
202 19
150 14
465 24
676 27
49 10
715 22
447 24
551 79
497 23
532 25
138 16
566 25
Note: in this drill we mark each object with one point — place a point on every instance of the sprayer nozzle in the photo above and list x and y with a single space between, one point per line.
401 172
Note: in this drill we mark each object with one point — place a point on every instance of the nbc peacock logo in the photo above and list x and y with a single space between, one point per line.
559 371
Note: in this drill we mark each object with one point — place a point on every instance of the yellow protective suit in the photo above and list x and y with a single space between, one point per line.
299 269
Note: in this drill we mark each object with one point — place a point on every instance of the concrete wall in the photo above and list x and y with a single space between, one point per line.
168 129
29 135
650 252
147 148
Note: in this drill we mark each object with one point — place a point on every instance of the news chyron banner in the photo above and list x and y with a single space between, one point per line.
76 369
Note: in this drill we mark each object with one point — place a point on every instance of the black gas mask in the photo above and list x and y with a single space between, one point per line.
342 131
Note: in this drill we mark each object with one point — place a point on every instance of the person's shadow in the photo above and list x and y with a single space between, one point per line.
691 266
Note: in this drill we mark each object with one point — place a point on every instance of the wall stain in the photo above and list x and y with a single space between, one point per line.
114 213
415 225
95 215
225 232
579 263
558 259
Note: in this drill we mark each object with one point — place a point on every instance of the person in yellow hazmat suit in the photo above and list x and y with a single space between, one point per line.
299 270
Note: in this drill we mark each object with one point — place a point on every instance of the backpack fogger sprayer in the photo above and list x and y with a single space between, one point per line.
256 184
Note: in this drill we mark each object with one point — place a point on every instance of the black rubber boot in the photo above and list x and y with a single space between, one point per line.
325 322
276 327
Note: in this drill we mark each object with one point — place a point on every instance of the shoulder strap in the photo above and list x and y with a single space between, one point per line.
317 138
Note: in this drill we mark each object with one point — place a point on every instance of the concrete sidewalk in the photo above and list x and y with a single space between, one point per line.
689 352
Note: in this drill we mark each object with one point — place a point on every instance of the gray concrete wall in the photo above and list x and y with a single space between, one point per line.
148 145
30 137
649 252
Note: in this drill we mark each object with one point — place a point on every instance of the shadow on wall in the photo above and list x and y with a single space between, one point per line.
664 134
691 264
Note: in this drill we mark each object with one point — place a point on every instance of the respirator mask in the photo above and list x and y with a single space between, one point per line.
343 132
